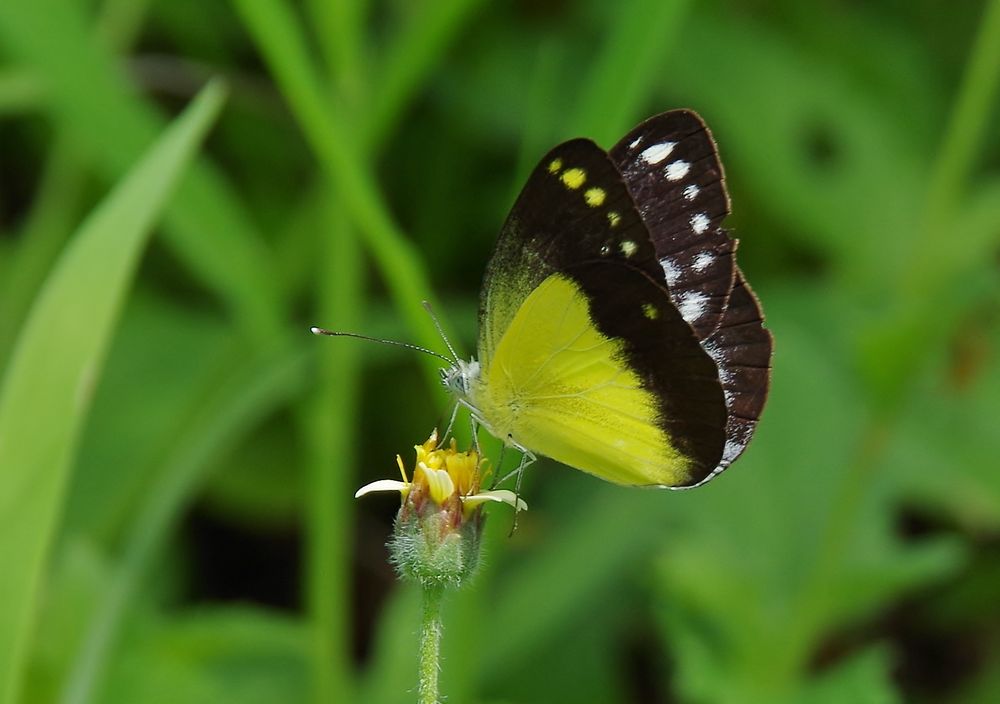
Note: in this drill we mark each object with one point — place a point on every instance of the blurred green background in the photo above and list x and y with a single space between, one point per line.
178 455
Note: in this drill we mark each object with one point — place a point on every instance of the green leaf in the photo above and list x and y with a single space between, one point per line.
48 386
210 655
78 577
863 679
89 95
799 541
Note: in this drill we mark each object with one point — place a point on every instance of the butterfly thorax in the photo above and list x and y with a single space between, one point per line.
466 380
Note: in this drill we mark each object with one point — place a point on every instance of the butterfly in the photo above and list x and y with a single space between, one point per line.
617 335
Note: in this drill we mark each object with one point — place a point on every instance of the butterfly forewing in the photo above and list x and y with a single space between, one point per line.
672 171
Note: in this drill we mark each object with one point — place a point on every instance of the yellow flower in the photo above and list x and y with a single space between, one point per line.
444 475
437 535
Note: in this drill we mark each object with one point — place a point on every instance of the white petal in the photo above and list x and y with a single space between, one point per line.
501 495
382 485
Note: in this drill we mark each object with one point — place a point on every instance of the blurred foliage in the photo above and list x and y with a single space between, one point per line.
190 536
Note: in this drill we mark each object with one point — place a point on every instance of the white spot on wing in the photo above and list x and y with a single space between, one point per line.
731 451
692 305
699 223
635 142
702 261
670 270
730 397
713 349
677 170
691 192
726 376
658 152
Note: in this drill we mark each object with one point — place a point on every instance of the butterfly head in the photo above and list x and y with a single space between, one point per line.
459 378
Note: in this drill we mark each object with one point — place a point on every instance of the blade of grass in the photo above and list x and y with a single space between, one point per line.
894 351
963 138
48 225
253 388
624 71
91 98
329 426
327 415
339 27
120 21
329 429
53 209
417 48
281 41
47 387
283 45
966 131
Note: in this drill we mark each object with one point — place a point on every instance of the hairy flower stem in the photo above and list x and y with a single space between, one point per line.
430 645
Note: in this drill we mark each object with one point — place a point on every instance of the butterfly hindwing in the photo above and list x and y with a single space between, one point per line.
741 348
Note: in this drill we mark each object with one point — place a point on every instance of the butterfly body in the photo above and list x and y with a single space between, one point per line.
617 335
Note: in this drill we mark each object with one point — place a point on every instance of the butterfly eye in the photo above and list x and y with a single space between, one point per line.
452 379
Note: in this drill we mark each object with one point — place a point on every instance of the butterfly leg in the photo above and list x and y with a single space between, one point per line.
475 433
496 475
451 423
527 457
474 420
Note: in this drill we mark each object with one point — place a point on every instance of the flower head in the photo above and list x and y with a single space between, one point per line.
438 527
443 475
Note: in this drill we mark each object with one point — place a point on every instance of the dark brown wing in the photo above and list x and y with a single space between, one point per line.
672 170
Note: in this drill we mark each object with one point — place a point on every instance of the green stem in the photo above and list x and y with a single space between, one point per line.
279 38
430 645
330 421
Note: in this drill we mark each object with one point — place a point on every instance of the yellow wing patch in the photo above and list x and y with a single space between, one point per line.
559 387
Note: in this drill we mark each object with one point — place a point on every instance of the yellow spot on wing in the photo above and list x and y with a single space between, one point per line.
650 311
594 197
574 178
613 218
555 166
629 248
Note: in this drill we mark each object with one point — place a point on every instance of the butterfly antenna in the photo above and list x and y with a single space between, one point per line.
437 325
333 333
